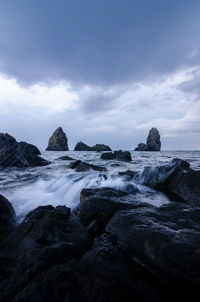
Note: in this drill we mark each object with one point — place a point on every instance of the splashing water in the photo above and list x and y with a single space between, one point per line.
57 184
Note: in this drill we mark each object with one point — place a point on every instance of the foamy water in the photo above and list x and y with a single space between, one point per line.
56 184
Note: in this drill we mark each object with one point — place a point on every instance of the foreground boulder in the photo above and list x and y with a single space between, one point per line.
153 142
7 218
80 146
176 179
58 141
118 155
114 249
19 154
47 238
165 241
82 166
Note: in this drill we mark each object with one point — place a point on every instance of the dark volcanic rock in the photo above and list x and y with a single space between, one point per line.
153 142
17 154
101 147
74 164
26 148
142 147
126 251
82 166
118 155
165 241
48 237
176 179
80 146
58 141
123 155
100 205
107 156
65 158
7 218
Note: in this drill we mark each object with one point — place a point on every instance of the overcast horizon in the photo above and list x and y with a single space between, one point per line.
104 71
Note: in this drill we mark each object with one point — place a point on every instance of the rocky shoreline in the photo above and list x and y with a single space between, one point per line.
111 248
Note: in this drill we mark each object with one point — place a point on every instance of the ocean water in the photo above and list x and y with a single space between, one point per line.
57 184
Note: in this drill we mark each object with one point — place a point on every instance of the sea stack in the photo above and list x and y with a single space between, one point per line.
58 141
153 142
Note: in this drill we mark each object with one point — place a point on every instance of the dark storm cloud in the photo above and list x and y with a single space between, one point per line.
97 41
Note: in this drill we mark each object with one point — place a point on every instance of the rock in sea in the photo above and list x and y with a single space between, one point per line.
58 141
80 146
19 154
176 179
118 155
153 142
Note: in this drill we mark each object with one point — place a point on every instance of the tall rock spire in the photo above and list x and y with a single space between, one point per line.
58 141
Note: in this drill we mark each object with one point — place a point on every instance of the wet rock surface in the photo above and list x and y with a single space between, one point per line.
19 154
58 141
176 179
82 166
112 248
7 218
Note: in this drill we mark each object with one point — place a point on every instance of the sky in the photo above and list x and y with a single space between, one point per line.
106 71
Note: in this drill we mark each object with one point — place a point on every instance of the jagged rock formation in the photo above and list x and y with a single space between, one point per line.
114 248
176 179
19 154
118 155
80 146
58 141
153 142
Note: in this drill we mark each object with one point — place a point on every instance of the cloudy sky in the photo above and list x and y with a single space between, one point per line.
104 70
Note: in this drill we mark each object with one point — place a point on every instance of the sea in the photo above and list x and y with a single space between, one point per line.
57 184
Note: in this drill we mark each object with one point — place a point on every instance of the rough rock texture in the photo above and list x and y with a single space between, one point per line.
80 146
28 148
123 250
176 179
153 142
17 154
47 237
7 218
118 155
58 141
82 166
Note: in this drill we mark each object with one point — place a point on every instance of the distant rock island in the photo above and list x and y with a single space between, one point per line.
80 146
153 142
58 141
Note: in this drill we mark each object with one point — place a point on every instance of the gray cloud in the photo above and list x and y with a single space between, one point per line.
93 41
